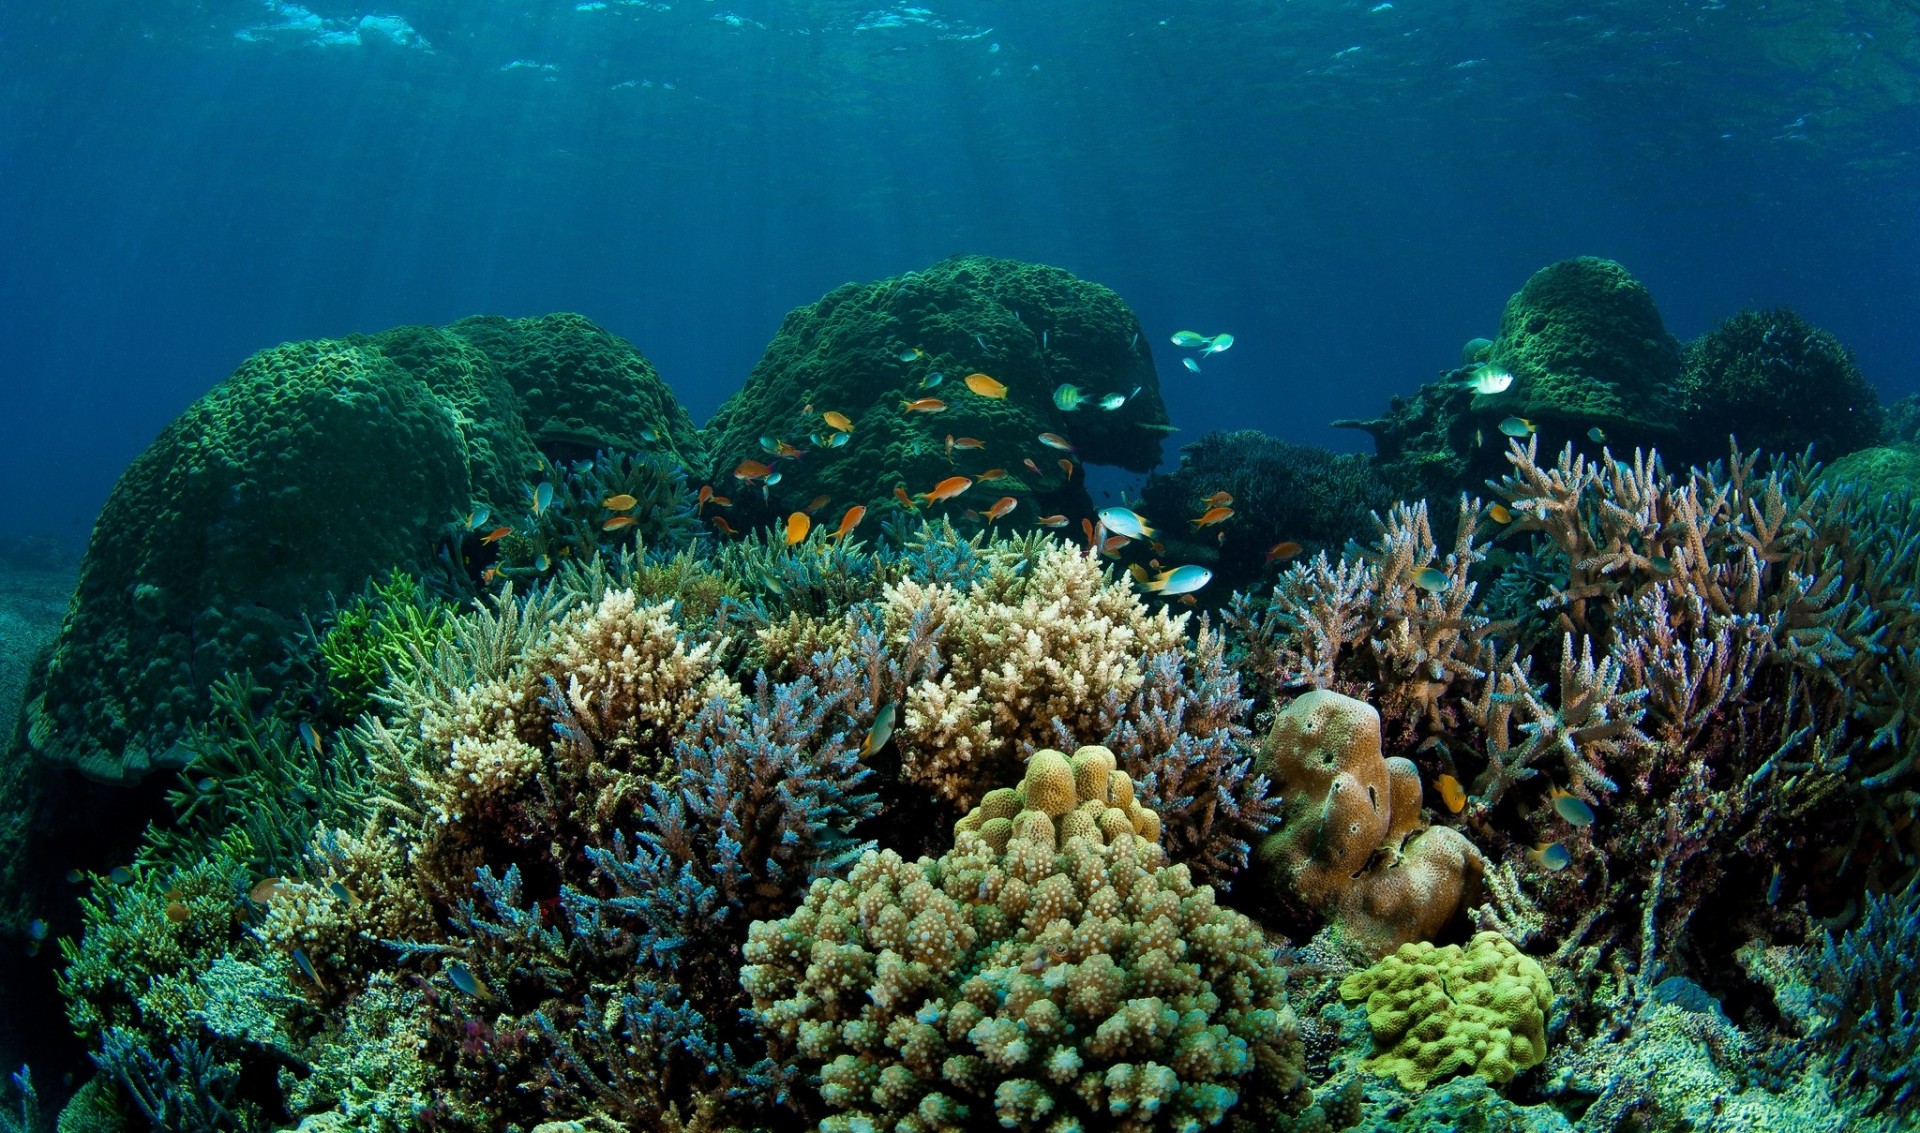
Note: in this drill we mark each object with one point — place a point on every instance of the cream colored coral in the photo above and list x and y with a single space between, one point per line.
1082 796
1056 642
1438 1012
629 676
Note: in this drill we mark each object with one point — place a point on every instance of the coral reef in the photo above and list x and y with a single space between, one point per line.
865 349
1438 1012
1777 384
1352 843
1092 985
1865 994
1282 492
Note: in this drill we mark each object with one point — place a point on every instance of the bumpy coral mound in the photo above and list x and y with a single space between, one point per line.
1778 384
311 468
1090 987
1586 346
1438 1012
1083 797
1028 326
1351 844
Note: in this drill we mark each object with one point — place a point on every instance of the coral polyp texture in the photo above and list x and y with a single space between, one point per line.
1437 1012
1352 843
1091 986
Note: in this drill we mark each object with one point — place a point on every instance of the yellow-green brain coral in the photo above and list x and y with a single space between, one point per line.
1438 1012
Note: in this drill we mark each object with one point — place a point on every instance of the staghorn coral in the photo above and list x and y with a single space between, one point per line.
1438 1012
1865 993
1351 843
1093 985
1040 644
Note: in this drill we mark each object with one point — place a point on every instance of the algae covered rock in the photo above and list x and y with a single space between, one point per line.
315 466
866 350
1352 844
1779 384
1586 346
1438 1012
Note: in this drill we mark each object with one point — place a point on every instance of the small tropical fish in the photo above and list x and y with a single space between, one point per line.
1134 342
36 929
981 340
542 496
1500 513
1516 427
836 440
932 379
1451 793
704 498
1431 578
649 435
1056 441
900 493
782 448
310 739
1067 396
621 502
75 877
946 489
838 420
721 525
1066 467
818 503
1571 807
1179 580
1052 521
1217 514
1661 564
1113 401
1552 856
1124 521
720 501
1190 364
120 875
1000 507
1188 340
1596 435
924 405
496 535
617 522
463 980
1110 546
1773 886
1219 343
911 354
751 470
1043 341
341 892
992 474
849 521
541 562
1282 551
798 524
477 518
966 442
1487 378
1087 528
882 730
1031 466
305 965
1219 499
986 386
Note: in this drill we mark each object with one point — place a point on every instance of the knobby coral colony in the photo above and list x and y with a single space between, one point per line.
632 846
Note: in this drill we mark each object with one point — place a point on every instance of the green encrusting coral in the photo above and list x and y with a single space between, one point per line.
863 349
1438 1012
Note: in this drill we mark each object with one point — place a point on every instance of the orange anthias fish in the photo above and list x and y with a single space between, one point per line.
617 522
946 489
721 501
1052 521
1031 466
496 535
751 470
706 496
818 503
986 386
1217 514
993 474
1219 499
900 493
967 442
1282 551
798 524
1000 507
1066 467
721 525
782 448
1500 513
838 421
621 502
849 521
924 405
1055 440
1092 534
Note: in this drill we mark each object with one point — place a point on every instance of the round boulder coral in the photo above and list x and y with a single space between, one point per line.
1779 384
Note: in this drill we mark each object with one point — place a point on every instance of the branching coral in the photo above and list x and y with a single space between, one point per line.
1092 985
1866 993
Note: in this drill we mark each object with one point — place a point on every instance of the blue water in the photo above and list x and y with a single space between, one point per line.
1351 189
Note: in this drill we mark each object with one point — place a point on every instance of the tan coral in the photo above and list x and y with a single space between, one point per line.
1353 844
1071 795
